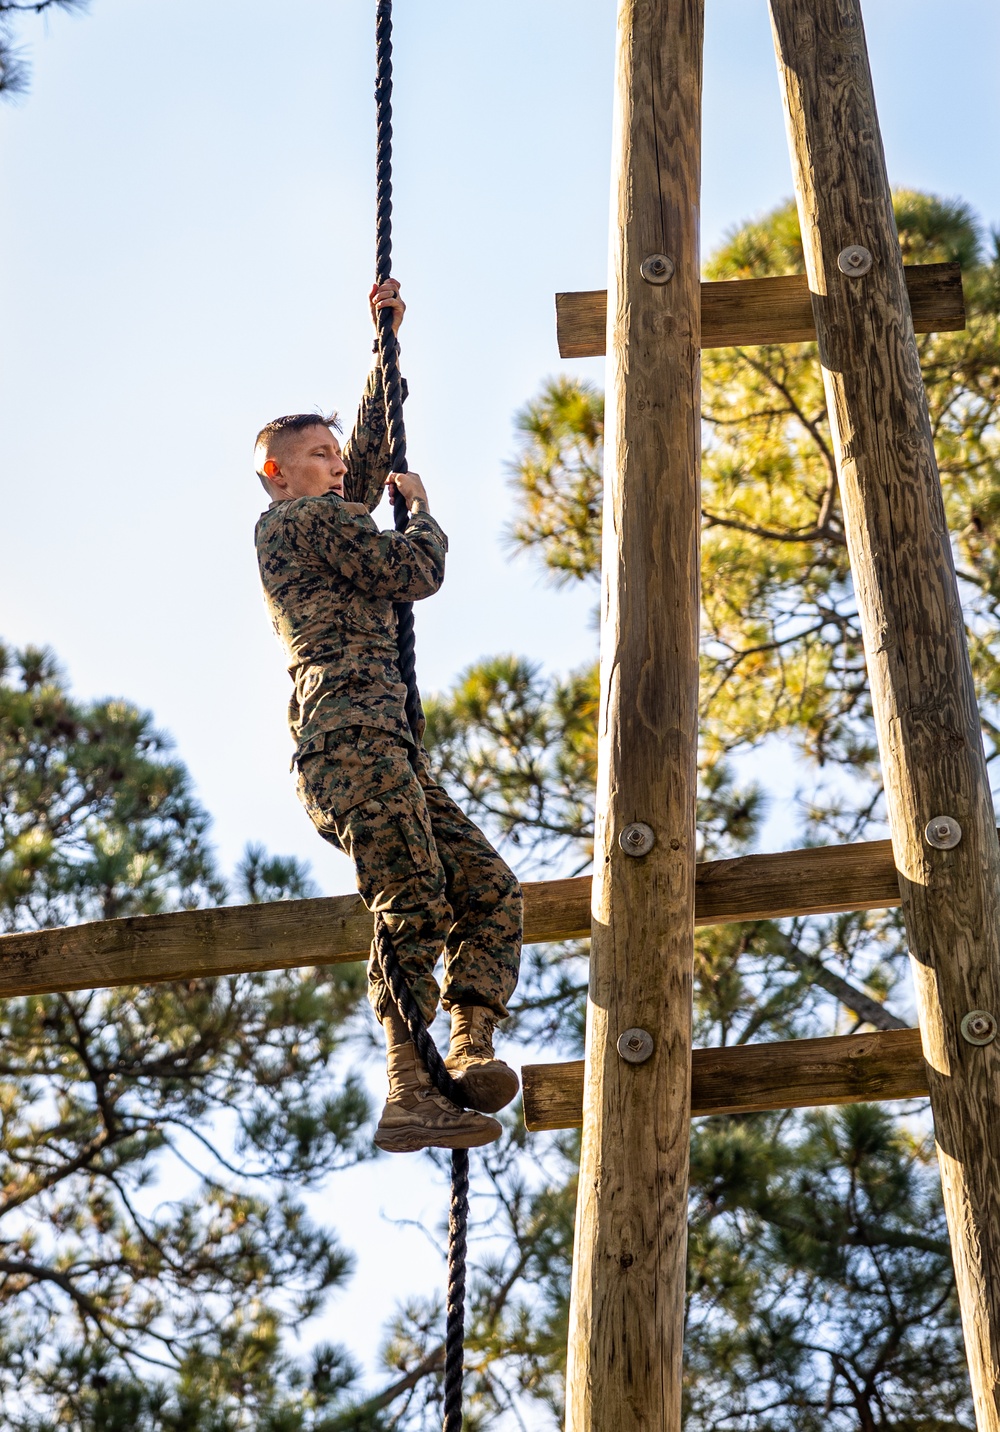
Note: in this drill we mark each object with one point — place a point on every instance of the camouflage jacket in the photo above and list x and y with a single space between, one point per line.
330 577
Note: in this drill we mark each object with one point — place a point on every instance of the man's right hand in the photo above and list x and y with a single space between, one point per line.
410 487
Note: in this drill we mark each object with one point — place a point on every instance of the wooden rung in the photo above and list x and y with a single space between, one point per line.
751 1078
821 880
747 311
193 944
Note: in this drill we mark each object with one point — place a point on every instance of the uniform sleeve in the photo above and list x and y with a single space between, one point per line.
366 451
400 566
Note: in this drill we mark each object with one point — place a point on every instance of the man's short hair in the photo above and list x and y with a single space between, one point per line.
293 423
281 427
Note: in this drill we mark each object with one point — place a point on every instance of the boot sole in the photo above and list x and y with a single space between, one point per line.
488 1088
411 1139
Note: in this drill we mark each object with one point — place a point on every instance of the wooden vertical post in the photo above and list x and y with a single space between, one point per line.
918 664
626 1322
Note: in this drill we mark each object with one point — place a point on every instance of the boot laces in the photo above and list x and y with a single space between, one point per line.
478 1038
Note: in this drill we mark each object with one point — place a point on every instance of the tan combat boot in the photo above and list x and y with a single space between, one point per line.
416 1116
486 1082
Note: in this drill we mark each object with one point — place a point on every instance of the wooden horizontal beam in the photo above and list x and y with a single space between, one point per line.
191 944
230 939
752 1078
820 880
747 311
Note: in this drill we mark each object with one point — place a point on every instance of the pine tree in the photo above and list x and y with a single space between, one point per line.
154 1140
14 70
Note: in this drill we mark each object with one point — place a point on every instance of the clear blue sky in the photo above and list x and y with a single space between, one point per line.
187 195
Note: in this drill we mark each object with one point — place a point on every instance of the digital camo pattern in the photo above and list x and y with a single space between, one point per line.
330 577
366 451
423 865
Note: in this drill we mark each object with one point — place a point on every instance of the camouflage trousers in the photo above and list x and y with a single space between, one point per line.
421 864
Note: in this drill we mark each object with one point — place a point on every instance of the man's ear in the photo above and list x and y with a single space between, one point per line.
271 469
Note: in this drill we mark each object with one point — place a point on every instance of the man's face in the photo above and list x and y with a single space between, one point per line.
309 464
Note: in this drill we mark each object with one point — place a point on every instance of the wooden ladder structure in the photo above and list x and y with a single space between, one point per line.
626 1321
641 1083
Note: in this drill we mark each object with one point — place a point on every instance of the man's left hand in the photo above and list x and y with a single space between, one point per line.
386 295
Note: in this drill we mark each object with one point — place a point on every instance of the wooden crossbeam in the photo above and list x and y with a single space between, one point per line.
747 311
752 1078
190 944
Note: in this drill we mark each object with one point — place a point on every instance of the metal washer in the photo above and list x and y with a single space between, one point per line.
855 260
943 832
657 268
637 838
635 1045
979 1027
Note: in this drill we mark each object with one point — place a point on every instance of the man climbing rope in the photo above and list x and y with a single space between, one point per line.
330 579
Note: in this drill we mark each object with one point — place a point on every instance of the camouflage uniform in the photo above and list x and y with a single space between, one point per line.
330 578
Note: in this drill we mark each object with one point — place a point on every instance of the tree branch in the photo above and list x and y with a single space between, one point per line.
865 1006
349 1421
819 532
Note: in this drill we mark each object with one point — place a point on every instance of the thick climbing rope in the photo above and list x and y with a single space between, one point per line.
388 344
388 347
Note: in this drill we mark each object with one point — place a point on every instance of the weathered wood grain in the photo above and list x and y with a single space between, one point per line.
747 311
145 949
820 880
191 944
751 1078
922 691
627 1304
